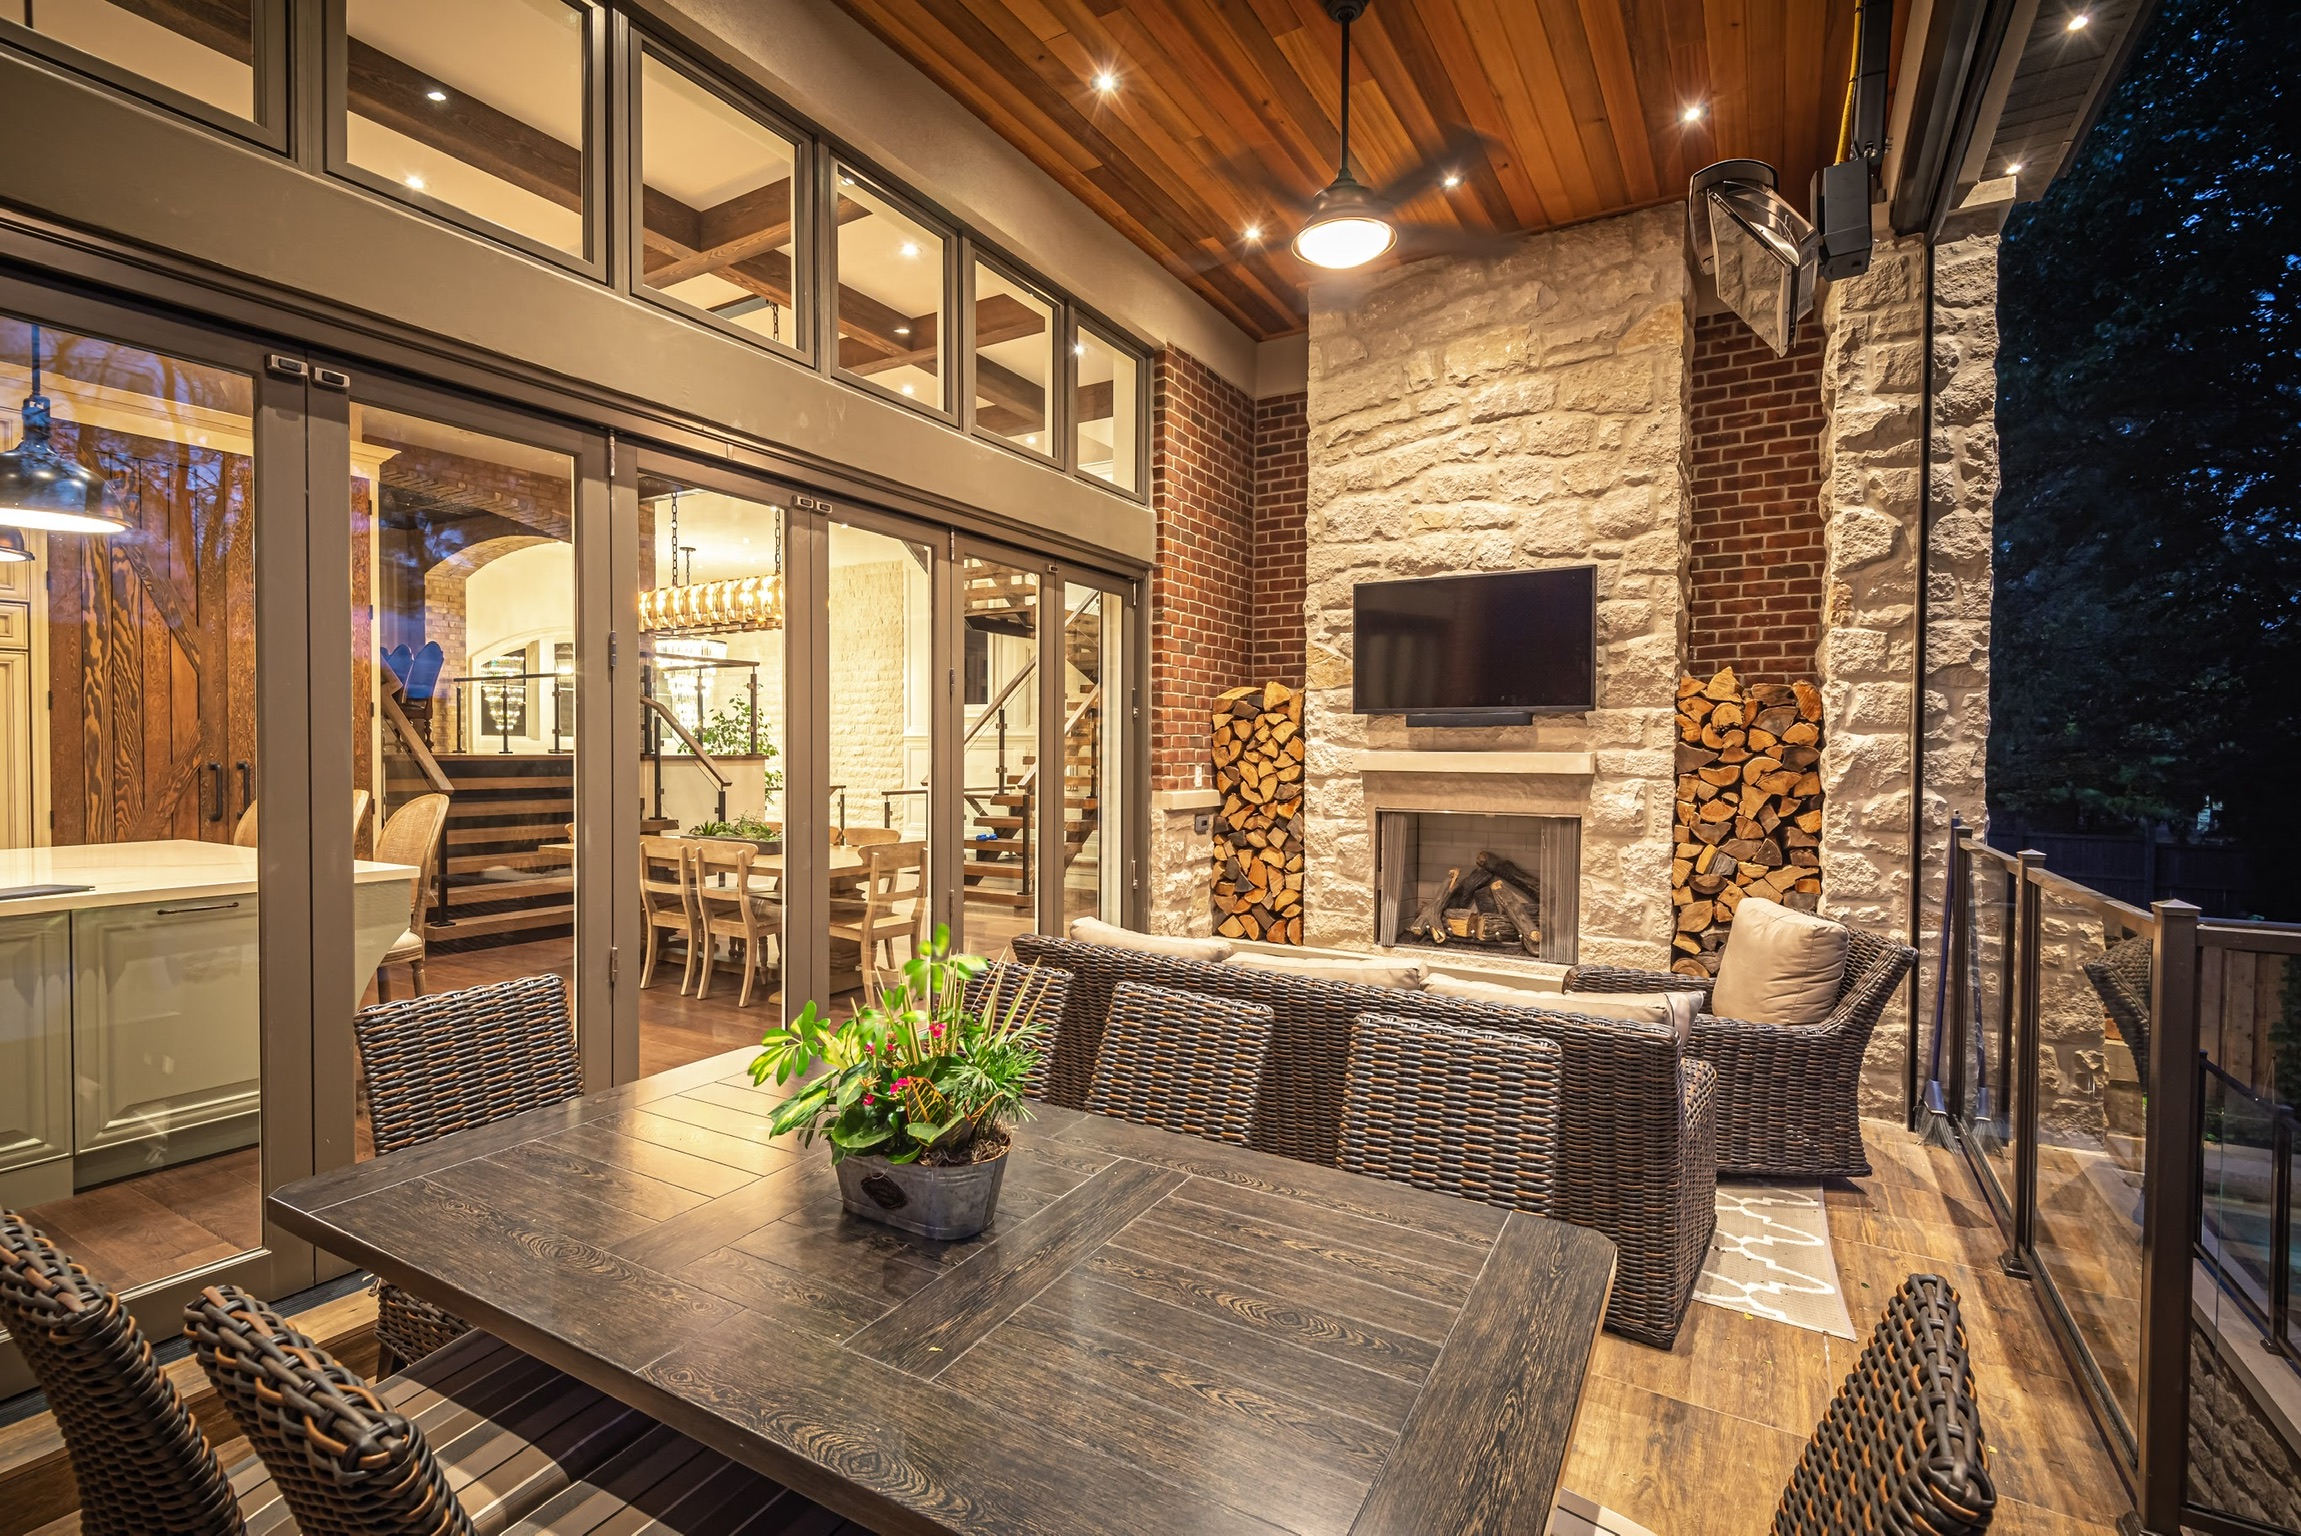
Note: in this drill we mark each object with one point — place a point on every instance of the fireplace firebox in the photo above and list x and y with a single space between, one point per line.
1472 881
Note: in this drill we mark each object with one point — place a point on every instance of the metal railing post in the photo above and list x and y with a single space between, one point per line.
2281 1232
2168 1222
2028 930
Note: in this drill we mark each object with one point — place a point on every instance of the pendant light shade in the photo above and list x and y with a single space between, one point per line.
41 488
1348 227
12 550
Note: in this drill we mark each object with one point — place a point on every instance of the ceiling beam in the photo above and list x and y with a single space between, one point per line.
226 26
388 91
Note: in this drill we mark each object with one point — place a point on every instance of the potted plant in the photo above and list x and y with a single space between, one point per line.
914 1093
765 836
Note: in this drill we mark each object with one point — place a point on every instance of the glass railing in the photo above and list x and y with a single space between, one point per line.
2123 1086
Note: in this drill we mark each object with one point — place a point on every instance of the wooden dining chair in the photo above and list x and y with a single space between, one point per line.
667 902
1468 1112
727 907
872 837
891 908
411 835
1181 1061
444 1063
361 800
348 1459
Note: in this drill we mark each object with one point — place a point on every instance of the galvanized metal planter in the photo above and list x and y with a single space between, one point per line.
940 1203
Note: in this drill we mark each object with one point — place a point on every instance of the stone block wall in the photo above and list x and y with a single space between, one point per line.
1873 384
1754 597
1488 414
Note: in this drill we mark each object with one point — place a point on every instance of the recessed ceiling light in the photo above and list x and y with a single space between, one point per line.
1106 82
1252 233
435 94
908 390
1078 349
1453 180
2014 169
1032 440
902 330
416 182
1692 114
910 247
2081 21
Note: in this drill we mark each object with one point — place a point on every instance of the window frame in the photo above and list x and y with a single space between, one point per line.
1058 377
835 167
1120 342
273 60
804 212
598 137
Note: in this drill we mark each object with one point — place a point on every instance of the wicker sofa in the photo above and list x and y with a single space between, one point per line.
1634 1161
1789 1096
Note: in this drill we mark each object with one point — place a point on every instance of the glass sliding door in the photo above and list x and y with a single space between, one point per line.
712 645
464 692
150 476
1000 705
878 682
1094 690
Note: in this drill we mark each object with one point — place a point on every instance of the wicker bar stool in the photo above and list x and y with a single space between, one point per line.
347 1462
445 1063
141 1463
1181 1062
1470 1112
1002 993
1901 1447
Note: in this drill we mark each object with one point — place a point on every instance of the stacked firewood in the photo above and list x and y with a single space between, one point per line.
1258 832
1492 902
1749 807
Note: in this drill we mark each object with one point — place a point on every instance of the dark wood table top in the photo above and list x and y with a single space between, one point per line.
1157 1334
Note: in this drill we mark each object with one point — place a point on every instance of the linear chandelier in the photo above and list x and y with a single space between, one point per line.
739 603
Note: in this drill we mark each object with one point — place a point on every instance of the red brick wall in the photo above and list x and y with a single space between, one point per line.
1202 588
1755 600
1281 501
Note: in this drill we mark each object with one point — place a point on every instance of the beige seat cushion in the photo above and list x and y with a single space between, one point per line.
1088 930
1676 1009
1780 966
1398 975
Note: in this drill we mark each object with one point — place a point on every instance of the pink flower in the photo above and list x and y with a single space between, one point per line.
868 1101
935 1030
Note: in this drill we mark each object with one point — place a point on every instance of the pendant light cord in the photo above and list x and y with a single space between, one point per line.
1346 96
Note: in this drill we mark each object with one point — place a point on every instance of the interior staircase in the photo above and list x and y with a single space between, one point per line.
499 882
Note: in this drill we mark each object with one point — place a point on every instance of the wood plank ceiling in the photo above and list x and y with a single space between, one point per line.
1223 113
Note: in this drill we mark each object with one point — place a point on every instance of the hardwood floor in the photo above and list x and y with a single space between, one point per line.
1701 1438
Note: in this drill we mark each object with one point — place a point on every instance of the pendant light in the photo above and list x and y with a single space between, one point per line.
1348 225
12 550
39 487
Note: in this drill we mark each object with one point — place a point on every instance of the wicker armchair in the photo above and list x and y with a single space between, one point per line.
1470 1112
445 1063
1181 1061
352 1460
1635 1156
1901 1447
1003 992
1789 1096
140 1462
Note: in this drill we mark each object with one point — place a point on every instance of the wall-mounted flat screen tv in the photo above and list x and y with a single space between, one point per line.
1508 643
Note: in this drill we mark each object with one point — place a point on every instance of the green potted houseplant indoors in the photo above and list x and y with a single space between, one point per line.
914 1093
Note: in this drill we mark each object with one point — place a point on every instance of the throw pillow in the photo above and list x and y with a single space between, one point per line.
1780 966
1087 930
1675 1009
1398 975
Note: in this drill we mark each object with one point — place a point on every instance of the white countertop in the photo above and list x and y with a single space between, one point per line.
129 874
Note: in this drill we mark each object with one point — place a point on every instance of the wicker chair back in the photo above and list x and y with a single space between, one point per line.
1901 1448
1469 1112
1181 1061
1635 1155
1000 992
141 1463
345 1464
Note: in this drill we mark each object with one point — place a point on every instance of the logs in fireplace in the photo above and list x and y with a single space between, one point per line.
1493 902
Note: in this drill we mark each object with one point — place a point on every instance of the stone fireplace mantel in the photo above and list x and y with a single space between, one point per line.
1517 764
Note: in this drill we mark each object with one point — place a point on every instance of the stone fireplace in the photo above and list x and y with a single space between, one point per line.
1473 881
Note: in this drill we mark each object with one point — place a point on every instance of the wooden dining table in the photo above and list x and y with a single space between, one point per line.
1158 1335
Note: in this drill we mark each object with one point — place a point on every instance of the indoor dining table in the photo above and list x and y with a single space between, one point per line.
1158 1335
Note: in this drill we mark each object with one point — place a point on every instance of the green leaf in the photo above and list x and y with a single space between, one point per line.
856 1141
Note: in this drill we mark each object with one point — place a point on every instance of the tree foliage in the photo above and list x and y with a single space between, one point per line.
2147 655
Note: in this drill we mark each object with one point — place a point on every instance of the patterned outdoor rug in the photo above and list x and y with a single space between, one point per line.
1770 1257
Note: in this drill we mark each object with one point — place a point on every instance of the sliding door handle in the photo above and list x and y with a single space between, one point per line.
216 782
247 786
